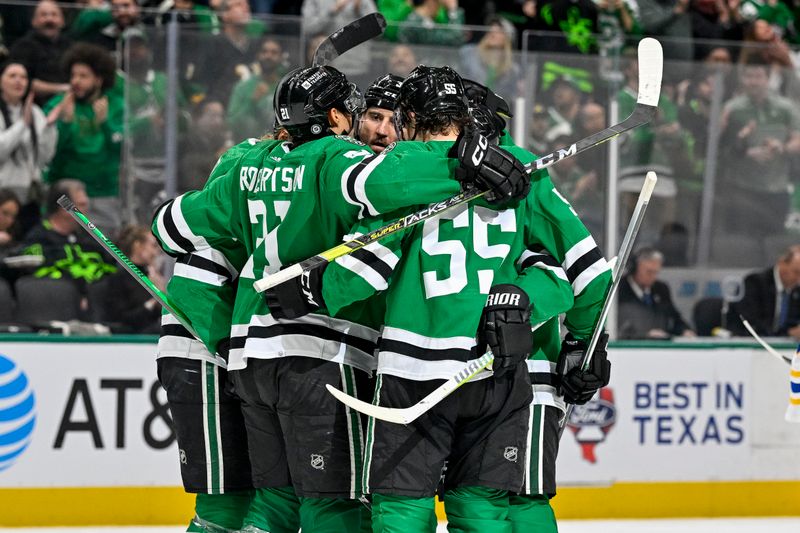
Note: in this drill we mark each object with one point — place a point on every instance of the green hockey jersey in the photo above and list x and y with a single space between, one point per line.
276 206
436 294
209 307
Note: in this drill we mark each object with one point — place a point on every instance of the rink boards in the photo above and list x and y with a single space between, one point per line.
683 430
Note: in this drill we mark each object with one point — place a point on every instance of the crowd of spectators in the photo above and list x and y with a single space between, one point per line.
85 92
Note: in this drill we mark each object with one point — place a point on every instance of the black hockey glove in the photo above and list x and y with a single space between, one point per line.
505 327
489 168
576 385
297 297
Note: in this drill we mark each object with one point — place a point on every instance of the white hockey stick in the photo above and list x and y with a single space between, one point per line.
762 342
409 414
624 251
650 72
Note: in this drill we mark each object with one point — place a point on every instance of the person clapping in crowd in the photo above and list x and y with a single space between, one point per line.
27 136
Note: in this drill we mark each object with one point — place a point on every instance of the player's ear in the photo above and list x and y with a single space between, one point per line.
339 122
283 135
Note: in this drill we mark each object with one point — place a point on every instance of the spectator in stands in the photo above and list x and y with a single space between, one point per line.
521 13
646 310
771 301
661 146
671 19
397 11
491 61
580 186
715 20
537 131
760 134
565 103
229 55
27 137
9 209
128 305
41 51
591 120
200 151
125 17
763 44
250 112
402 60
327 16
9 236
90 127
68 251
576 20
420 27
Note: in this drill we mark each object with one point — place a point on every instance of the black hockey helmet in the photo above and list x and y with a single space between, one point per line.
384 92
429 92
305 95
489 110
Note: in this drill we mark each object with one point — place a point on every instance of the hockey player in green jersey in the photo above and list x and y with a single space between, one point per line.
207 419
437 278
552 366
376 124
266 211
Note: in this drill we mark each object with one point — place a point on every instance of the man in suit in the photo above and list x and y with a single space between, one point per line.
646 310
771 301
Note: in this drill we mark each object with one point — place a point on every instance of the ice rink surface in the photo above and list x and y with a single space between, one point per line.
720 525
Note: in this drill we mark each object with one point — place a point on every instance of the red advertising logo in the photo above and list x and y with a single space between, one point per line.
590 423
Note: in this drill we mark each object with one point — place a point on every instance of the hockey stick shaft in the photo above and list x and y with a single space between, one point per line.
650 70
357 32
622 258
763 343
124 261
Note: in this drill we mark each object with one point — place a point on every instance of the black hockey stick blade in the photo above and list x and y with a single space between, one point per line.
357 32
650 72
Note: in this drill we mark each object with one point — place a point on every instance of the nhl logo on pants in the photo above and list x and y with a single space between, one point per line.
317 462
510 454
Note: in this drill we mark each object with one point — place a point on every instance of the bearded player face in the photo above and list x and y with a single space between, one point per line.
376 129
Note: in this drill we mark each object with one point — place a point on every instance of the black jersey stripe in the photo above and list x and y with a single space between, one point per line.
543 378
543 258
374 262
172 229
351 183
584 262
310 330
426 354
194 260
175 330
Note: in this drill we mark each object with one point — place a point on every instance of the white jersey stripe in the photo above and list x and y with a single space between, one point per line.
540 447
345 326
428 343
206 439
193 273
587 276
348 418
404 366
220 455
578 251
360 184
540 366
164 234
198 241
364 271
528 451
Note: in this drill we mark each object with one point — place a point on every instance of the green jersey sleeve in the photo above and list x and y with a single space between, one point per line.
202 229
405 174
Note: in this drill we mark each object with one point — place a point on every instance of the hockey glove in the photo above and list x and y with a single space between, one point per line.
298 296
505 327
576 385
489 168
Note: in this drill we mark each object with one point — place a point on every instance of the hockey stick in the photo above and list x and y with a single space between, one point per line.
763 343
347 37
409 414
650 70
624 252
123 260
